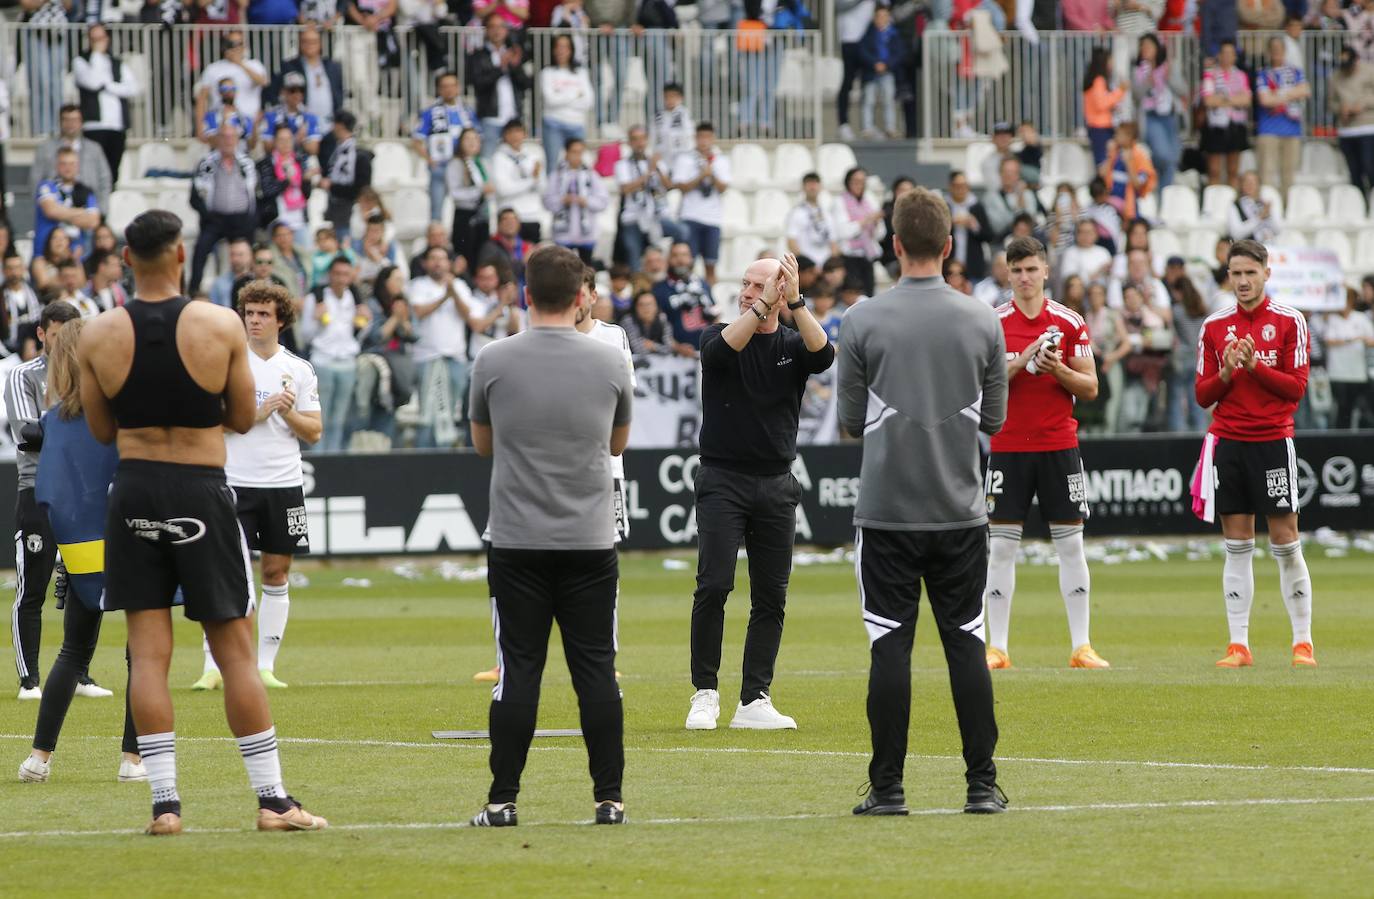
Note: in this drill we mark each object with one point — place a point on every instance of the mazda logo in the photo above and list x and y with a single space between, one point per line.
1338 474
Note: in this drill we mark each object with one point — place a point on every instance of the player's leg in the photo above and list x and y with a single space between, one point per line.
1286 545
771 531
1063 503
150 702
273 612
131 768
722 503
35 553
585 610
80 631
1009 485
248 506
1235 506
889 579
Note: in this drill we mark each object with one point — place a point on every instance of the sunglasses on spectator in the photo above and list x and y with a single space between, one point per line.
263 260
232 45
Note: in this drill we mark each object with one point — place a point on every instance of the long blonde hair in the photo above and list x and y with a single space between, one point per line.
64 371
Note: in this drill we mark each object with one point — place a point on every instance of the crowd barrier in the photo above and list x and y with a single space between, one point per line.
437 502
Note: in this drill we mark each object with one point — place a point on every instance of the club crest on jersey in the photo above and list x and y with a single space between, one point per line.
1231 332
1268 332
34 543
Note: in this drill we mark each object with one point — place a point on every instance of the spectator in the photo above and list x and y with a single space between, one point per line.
1111 344
21 304
289 262
441 303
852 19
71 279
1031 154
1359 21
284 183
566 97
685 299
369 204
4 139
247 75
348 171
1136 17
506 248
324 91
1073 294
228 112
1100 100
273 12
755 72
65 204
1330 16
1087 15
224 192
1283 93
1226 97
901 186
647 328
264 270
881 54
1007 199
1292 43
1142 277
320 13
1128 170
518 176
105 87
57 249
92 168
1159 93
674 131
1219 24
1349 338
572 15
971 227
829 317
495 308
1351 95
436 235
1150 339
575 195
333 318
833 274
811 228
383 389
702 176
44 51
512 13
378 17
422 17
956 276
375 252
240 266
436 137
6 240
1251 215
1104 215
653 265
1086 259
471 189
102 238
995 289
326 249
991 168
622 291
1063 221
862 225
643 181
212 12
294 114
498 78
105 287
1189 312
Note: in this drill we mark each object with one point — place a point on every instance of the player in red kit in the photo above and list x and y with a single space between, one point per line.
1252 364
1035 455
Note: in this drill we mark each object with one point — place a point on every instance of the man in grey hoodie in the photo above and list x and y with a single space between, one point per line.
922 370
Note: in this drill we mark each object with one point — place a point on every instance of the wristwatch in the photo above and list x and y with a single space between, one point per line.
801 301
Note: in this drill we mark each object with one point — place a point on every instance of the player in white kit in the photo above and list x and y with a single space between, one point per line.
613 336
264 466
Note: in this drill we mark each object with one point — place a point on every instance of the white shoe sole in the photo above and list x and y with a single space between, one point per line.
29 777
93 693
701 725
737 724
133 778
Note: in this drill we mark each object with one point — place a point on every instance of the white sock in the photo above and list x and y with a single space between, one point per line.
1003 541
1238 584
260 757
209 657
1296 586
272 614
1074 582
159 754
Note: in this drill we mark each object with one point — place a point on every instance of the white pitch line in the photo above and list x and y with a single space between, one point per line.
746 750
748 819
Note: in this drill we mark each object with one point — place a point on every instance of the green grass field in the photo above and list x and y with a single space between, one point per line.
1163 776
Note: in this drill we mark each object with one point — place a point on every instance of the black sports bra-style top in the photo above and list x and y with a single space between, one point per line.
160 392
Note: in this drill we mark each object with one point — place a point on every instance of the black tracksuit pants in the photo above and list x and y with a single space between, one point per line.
35 552
214 227
759 511
530 590
953 564
80 633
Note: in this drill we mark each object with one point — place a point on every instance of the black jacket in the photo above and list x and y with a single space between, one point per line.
483 75
332 70
976 261
270 187
362 179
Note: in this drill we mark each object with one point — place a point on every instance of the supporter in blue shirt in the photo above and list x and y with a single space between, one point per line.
1283 93
227 112
305 125
63 202
436 137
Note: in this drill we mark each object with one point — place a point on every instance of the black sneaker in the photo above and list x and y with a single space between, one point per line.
502 817
891 801
607 813
985 799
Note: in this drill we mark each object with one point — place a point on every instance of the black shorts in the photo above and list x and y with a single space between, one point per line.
1255 478
1054 477
273 519
1231 139
174 525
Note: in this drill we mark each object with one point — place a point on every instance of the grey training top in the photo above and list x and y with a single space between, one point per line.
922 369
551 398
26 388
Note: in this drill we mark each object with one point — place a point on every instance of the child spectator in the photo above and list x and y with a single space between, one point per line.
881 52
1100 102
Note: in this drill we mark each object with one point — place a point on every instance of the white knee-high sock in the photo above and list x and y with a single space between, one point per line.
159 755
1296 585
209 657
263 762
1074 581
1238 584
1003 541
272 615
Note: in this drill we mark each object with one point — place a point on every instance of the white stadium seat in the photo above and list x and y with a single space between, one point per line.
392 165
833 161
1202 245
1178 207
1322 165
1304 207
1345 207
1217 200
1147 207
1364 252
1291 237
1272 196
125 206
735 214
410 211
1069 162
160 155
179 202
770 212
749 167
790 162
1331 239
1164 242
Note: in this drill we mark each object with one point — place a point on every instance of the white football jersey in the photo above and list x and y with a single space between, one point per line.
270 454
614 336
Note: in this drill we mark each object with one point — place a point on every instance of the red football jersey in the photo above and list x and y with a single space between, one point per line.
1255 405
1039 410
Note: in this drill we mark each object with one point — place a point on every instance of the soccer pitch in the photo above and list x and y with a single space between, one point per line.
1162 776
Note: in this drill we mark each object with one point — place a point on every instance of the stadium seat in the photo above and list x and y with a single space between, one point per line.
790 162
1272 196
125 206
833 161
1178 206
1322 165
1291 237
1069 162
1147 207
741 252
1202 245
1364 252
735 214
1304 206
1217 200
749 167
409 211
770 213
179 202
1331 239
1164 242
315 209
974 154
726 294
392 165
24 247
160 155
1345 207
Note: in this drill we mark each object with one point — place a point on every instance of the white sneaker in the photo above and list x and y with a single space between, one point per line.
30 693
132 772
846 133
34 770
92 691
705 710
760 715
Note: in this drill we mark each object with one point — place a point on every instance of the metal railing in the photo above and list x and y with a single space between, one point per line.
1044 82
751 86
